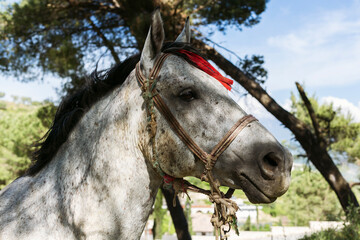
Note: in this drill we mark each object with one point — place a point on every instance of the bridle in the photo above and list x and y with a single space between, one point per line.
152 98
209 159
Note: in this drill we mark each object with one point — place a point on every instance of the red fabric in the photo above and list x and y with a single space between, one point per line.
168 179
205 66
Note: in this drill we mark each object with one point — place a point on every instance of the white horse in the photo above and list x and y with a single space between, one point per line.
93 178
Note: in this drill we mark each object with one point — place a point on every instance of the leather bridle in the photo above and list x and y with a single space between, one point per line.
209 159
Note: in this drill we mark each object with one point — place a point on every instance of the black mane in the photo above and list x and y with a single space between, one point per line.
74 106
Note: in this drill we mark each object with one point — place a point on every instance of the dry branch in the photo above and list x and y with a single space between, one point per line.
353 184
310 110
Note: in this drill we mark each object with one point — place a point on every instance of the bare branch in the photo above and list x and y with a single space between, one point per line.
353 184
311 112
107 43
216 44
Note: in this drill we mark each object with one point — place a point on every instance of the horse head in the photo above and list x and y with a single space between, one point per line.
254 162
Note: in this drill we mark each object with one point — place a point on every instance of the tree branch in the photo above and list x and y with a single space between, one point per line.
353 184
216 44
106 42
311 112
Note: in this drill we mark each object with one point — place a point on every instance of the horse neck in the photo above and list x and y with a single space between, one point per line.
101 166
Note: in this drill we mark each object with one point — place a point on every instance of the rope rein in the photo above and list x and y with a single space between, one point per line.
224 208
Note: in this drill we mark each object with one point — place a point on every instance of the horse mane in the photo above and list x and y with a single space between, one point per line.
74 106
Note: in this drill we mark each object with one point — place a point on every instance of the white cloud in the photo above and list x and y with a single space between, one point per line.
324 51
250 105
318 32
287 105
346 106
290 42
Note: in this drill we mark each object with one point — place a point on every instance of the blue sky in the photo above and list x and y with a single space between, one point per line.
314 42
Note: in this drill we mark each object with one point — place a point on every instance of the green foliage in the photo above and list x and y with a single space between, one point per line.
247 224
20 127
2 106
33 31
162 219
187 212
205 185
309 198
159 214
263 227
225 14
253 68
167 225
351 229
340 132
62 37
198 182
46 114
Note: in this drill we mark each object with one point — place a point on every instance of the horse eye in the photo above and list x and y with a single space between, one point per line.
187 95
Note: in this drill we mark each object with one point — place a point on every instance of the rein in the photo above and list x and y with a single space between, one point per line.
224 208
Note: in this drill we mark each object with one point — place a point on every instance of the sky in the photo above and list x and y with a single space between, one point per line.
316 43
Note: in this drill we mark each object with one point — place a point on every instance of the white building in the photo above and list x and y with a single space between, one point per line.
242 215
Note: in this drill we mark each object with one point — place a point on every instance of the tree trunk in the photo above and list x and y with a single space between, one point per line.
317 154
177 215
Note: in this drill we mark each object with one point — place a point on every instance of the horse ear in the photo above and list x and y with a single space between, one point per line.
154 40
185 33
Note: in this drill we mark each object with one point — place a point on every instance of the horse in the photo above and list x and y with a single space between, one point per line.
94 175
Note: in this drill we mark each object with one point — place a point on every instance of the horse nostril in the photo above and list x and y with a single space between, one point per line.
271 160
270 165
